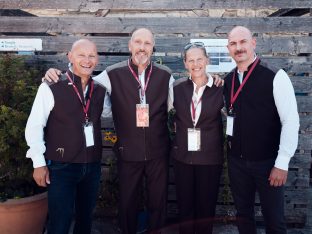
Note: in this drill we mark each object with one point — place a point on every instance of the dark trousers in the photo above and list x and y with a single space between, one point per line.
73 186
247 177
131 176
197 188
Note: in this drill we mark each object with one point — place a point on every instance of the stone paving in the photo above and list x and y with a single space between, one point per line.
110 227
107 227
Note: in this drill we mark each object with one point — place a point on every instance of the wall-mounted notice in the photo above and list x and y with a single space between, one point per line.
220 60
18 44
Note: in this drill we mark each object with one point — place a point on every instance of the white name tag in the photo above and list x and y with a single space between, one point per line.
142 115
229 125
88 132
193 139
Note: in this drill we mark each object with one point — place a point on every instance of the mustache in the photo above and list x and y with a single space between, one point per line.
240 52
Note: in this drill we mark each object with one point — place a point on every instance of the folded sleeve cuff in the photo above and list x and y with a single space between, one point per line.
282 162
38 160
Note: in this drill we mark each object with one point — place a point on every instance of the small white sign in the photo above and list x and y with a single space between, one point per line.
219 57
18 44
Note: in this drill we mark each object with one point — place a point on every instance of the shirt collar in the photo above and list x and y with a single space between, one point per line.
209 83
255 57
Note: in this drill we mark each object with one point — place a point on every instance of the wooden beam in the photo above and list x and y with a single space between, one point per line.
265 45
305 105
289 64
152 4
174 25
306 123
300 161
302 84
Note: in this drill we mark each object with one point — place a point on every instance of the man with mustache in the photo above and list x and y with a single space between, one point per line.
262 129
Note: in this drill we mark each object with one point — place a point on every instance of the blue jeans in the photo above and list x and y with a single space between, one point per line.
247 177
74 186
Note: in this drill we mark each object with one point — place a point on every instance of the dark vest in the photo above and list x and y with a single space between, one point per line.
209 122
137 143
257 126
64 127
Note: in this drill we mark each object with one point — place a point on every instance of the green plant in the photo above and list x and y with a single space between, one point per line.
18 85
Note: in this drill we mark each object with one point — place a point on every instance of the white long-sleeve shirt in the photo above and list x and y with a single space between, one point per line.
37 120
197 96
103 79
44 103
289 117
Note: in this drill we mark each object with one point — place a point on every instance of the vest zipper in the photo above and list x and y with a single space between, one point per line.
145 157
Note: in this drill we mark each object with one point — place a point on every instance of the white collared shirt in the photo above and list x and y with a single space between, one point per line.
37 120
196 98
142 80
289 117
103 79
240 74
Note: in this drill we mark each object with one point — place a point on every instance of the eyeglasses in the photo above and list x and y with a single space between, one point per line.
196 44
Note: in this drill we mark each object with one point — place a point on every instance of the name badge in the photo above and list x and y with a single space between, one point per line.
229 125
142 115
193 139
88 132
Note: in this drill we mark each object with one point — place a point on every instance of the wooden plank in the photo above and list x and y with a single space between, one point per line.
107 123
305 141
265 45
62 25
298 178
301 161
175 63
302 84
291 45
304 104
151 4
306 123
292 65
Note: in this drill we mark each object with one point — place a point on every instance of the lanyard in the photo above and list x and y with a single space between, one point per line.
194 109
85 107
143 89
234 96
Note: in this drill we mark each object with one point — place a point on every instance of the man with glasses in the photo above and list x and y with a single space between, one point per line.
262 129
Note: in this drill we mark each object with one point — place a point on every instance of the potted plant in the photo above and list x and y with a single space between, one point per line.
18 85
